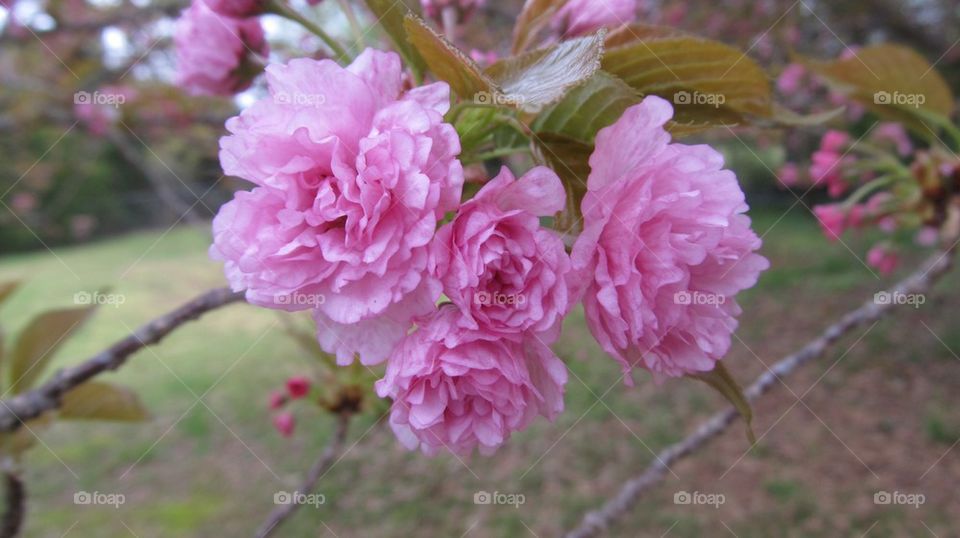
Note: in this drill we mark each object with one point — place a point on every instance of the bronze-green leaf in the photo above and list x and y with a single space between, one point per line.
446 61
37 343
587 108
708 82
534 17
96 400
720 379
390 15
539 78
894 82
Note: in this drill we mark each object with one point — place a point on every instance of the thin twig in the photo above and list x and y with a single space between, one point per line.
16 498
319 468
33 403
597 521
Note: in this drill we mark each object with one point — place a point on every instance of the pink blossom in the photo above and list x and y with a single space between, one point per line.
827 163
284 423
464 8
832 219
498 265
458 389
927 236
665 248
237 9
883 258
895 134
215 53
484 57
298 387
789 174
353 176
789 80
277 399
579 17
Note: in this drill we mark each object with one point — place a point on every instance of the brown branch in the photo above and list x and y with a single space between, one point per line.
319 468
599 520
31 404
16 500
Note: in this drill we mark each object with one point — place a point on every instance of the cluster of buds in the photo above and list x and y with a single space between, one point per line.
297 387
875 187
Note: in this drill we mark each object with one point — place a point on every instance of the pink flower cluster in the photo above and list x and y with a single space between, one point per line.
356 215
579 17
217 45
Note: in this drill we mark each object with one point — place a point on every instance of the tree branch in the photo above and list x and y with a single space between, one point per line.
322 465
599 520
16 500
31 404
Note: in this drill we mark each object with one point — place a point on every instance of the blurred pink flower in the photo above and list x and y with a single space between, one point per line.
277 399
789 174
883 258
579 17
789 80
498 265
298 387
353 176
464 8
284 423
459 389
215 53
832 219
927 236
665 247
827 163
237 9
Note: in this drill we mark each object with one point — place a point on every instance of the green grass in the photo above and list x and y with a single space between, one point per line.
210 467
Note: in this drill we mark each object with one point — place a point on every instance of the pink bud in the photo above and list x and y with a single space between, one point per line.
277 399
298 387
284 423
883 258
832 219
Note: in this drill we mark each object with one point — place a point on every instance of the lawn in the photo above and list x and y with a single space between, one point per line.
880 415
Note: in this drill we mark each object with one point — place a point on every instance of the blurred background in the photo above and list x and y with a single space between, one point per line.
121 196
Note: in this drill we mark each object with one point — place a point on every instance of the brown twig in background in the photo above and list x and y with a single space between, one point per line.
597 521
320 468
16 497
33 403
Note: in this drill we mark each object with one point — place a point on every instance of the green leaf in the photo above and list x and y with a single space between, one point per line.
534 17
708 82
785 116
390 14
569 158
37 343
96 400
539 78
892 81
720 379
474 127
446 61
587 108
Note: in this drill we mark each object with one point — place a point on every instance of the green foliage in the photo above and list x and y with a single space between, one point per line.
892 81
391 16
